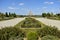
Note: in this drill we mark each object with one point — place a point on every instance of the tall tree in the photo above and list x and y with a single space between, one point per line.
0 14
43 14
58 14
14 14
6 14
10 14
48 14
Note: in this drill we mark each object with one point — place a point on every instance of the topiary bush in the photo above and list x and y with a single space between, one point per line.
49 37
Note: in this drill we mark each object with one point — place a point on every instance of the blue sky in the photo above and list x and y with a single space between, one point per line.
23 7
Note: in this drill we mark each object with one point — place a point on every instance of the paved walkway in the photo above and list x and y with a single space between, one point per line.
50 22
12 22
8 23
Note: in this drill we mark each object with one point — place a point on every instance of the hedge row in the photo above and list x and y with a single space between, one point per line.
11 33
49 31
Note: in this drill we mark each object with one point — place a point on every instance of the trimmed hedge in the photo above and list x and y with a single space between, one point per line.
49 37
49 31
30 23
32 36
7 33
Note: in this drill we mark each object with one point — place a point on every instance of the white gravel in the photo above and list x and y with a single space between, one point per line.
12 22
15 21
50 22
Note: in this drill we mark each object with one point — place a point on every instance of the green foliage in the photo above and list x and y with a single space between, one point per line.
6 14
58 14
32 36
14 15
49 37
49 31
1 15
10 14
51 15
7 33
30 23
48 14
44 15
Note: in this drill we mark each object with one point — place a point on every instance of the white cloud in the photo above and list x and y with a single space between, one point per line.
49 2
21 4
12 8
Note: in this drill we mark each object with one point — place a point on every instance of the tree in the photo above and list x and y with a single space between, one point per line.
14 14
6 14
58 14
9 14
48 14
0 14
43 14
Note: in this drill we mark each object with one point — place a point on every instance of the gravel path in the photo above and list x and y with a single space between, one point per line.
8 23
12 22
50 22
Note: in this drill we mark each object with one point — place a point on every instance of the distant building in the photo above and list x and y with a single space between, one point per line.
30 13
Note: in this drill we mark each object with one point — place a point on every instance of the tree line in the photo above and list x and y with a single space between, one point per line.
6 14
9 14
50 14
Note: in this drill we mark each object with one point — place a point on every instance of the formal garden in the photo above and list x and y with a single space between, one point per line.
36 30
30 23
29 19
